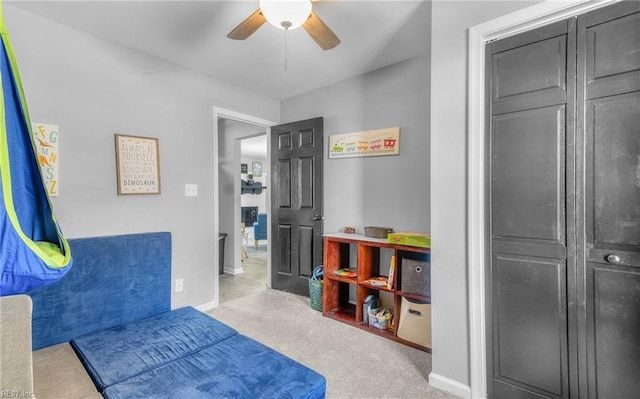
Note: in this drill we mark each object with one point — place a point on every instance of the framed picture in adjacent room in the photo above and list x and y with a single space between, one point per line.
137 165
257 169
243 168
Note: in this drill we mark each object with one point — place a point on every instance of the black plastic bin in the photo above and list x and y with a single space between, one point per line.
221 237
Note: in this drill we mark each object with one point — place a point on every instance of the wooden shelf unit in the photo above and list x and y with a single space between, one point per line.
335 296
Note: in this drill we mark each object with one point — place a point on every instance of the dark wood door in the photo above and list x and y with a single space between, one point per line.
531 189
296 204
609 70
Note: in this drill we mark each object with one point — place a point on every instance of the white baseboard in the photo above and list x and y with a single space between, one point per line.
233 271
449 385
207 306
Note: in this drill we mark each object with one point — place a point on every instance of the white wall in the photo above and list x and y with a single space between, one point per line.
450 313
93 89
390 191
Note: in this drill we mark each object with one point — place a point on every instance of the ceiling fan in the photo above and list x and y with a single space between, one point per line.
287 14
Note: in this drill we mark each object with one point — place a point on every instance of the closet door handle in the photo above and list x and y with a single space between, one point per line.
615 259
317 218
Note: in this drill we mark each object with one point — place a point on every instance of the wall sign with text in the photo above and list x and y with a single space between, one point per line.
137 165
46 139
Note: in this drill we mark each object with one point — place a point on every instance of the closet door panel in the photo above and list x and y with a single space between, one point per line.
530 329
612 56
530 76
528 161
614 171
613 316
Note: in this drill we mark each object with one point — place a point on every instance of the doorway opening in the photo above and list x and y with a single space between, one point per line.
240 149
254 212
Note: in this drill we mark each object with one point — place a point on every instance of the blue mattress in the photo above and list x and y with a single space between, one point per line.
121 352
187 354
238 367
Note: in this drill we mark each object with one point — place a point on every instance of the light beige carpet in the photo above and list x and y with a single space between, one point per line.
356 364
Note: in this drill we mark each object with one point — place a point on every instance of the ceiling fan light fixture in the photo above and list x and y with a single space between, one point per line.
286 14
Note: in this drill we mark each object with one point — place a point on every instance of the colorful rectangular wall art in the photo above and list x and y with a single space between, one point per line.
46 139
370 143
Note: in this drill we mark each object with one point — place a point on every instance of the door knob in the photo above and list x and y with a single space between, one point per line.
317 218
613 259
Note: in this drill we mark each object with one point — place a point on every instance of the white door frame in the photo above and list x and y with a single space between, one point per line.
520 21
221 113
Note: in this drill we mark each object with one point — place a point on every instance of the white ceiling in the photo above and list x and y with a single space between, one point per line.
192 34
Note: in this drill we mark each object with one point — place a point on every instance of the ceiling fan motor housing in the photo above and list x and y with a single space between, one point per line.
286 14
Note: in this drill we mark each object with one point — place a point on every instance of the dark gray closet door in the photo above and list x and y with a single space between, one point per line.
532 190
564 282
609 69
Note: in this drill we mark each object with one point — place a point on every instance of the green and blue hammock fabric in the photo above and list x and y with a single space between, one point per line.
33 252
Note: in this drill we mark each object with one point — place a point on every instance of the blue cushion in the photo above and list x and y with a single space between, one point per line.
121 352
238 367
114 280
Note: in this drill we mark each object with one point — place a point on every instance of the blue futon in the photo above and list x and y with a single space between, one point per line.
114 307
187 354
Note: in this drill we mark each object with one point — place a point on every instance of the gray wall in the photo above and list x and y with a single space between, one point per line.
390 191
93 89
450 311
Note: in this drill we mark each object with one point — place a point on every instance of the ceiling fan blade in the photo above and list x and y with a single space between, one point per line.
248 26
320 32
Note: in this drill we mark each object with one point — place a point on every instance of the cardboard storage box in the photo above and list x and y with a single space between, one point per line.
415 277
410 239
415 322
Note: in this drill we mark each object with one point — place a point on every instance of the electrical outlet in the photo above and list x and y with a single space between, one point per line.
179 285
190 190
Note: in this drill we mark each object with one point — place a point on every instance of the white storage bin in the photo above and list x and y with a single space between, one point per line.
415 322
